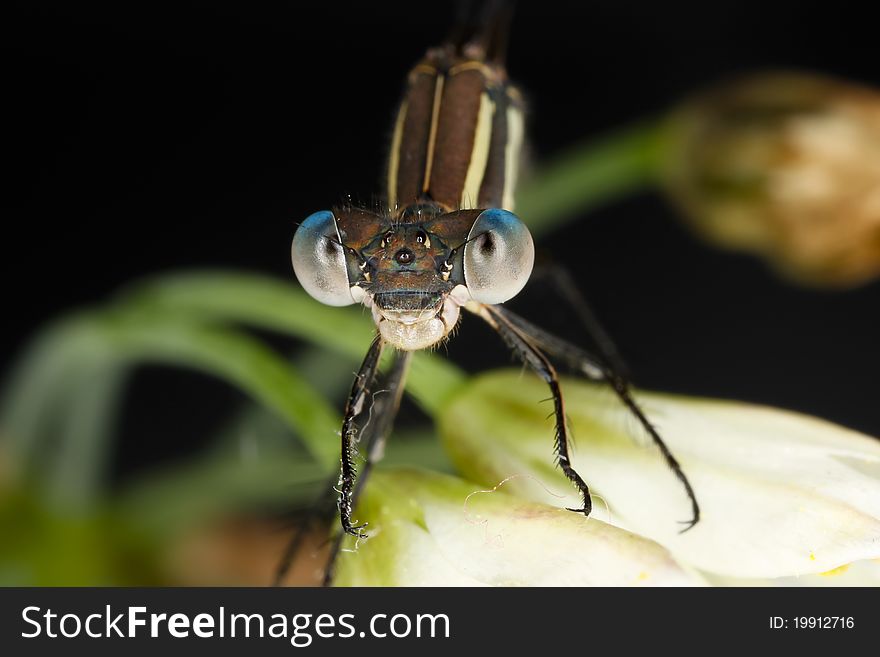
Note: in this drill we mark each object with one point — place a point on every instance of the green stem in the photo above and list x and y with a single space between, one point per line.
591 174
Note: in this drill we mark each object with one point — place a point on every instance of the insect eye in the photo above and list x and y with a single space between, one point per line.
498 257
387 237
319 260
422 238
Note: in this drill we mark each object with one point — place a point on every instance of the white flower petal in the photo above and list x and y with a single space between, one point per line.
429 529
860 573
410 558
781 494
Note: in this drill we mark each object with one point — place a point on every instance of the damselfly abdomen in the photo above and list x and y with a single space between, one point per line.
446 241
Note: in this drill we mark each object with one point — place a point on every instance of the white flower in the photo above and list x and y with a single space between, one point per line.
782 494
429 529
786 499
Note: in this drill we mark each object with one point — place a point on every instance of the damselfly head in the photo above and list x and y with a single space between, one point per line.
416 270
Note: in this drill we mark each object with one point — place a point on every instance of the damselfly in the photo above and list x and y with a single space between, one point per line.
446 241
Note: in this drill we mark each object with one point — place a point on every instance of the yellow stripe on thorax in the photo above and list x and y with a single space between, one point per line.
479 154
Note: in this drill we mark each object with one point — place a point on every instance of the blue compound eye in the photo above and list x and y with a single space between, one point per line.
319 261
498 257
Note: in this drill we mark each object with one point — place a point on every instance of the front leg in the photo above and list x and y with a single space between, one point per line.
371 442
360 390
373 436
532 356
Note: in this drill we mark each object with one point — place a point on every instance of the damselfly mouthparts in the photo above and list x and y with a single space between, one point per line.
448 241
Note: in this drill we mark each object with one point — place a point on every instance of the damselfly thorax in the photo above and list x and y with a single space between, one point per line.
448 236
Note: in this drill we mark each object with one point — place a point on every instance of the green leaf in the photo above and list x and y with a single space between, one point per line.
60 401
236 358
266 303
58 410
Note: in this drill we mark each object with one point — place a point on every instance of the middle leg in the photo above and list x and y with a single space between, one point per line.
532 356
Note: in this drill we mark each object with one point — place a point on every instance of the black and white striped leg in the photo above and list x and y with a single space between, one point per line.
532 356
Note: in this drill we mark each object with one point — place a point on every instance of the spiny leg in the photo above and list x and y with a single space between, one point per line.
380 418
373 437
600 368
532 356
360 390
323 506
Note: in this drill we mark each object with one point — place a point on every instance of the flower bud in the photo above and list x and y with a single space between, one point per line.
786 166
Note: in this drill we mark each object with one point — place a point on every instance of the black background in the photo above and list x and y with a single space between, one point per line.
140 137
